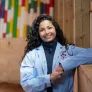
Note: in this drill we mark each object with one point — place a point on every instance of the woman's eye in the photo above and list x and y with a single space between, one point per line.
41 30
49 27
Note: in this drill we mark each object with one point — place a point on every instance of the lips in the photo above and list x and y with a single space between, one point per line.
47 37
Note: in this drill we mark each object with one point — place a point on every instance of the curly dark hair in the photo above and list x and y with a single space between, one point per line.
33 38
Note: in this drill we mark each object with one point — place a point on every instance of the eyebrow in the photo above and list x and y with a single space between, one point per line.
43 28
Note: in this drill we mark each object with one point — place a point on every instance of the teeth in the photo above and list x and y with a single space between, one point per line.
48 36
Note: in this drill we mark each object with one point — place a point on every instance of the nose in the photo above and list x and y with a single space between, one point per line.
46 31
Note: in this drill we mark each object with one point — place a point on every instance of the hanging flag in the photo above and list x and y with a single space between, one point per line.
26 5
51 8
3 7
19 8
38 6
25 20
51 3
2 18
19 18
23 2
29 5
32 7
30 14
5 18
0 9
47 6
10 18
1 27
22 18
42 7
4 30
15 18
35 6
25 31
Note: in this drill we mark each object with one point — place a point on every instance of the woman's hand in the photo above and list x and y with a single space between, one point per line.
56 75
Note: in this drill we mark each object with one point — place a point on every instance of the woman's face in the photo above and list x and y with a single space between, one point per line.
47 31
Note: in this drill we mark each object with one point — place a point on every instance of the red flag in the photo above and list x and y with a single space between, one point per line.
51 3
5 16
23 2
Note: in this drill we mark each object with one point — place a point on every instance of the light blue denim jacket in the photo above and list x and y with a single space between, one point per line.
33 70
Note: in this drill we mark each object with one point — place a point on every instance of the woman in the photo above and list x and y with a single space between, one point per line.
49 60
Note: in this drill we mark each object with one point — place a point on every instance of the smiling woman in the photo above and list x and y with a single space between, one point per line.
49 60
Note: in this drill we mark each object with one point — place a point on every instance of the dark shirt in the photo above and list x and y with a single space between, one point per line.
49 49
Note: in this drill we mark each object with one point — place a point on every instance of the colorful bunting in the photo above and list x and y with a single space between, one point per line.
15 15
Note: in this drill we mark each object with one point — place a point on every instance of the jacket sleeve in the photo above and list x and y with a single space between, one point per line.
80 56
30 80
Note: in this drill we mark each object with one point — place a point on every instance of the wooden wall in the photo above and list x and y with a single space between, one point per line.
91 24
74 19
64 16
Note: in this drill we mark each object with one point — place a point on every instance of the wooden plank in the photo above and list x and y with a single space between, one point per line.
58 12
86 23
68 19
91 24
91 29
74 31
78 23
90 6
